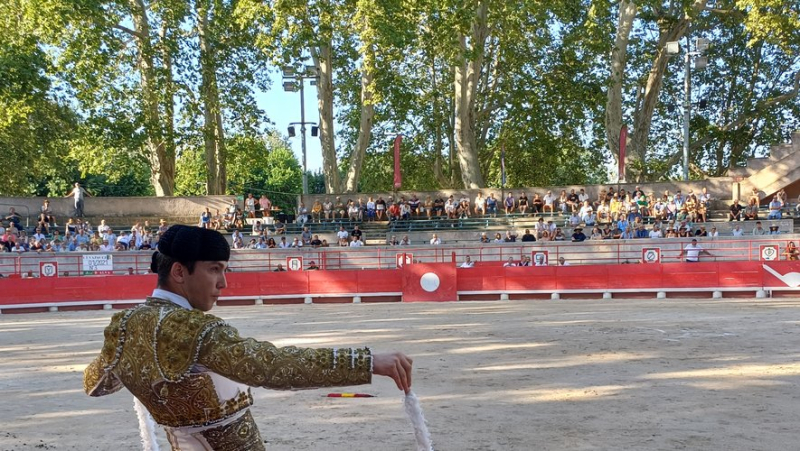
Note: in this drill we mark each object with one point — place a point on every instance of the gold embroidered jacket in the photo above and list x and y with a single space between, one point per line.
186 366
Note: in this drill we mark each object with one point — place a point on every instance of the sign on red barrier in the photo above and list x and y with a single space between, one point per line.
651 255
48 269
429 282
539 258
403 259
769 252
294 263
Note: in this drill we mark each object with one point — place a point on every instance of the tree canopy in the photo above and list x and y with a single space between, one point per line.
141 97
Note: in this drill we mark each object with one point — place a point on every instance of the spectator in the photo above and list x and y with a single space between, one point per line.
343 236
393 241
484 239
480 204
597 234
450 207
250 206
306 236
775 209
13 217
266 206
47 214
468 263
414 205
296 243
78 194
316 211
394 212
498 239
279 268
510 263
356 242
562 201
283 244
405 241
316 242
562 262
773 230
573 201
736 211
536 204
655 233
428 206
278 227
327 210
509 203
578 235
271 244
737 231
549 202
791 252
641 232
751 211
701 232
510 237
435 241
258 229
528 236
356 232
491 205
693 251
312 266
758 230
340 209
380 208
713 234
302 214
522 201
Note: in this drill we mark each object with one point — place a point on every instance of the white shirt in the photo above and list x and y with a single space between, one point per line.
467 264
356 243
656 234
549 199
436 241
738 232
343 234
693 252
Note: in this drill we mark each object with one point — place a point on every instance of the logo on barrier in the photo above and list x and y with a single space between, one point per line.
769 252
400 261
48 269
294 263
791 279
539 258
651 255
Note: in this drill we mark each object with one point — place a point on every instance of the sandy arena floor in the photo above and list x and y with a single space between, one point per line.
543 375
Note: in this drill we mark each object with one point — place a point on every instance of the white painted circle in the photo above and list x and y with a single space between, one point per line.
429 282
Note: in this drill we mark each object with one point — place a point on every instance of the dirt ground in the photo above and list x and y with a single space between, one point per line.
521 375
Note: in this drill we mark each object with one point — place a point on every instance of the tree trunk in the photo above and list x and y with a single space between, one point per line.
619 55
322 58
466 85
160 156
213 136
365 125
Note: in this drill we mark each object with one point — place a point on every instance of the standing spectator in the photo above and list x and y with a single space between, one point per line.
250 206
266 206
468 263
78 194
693 251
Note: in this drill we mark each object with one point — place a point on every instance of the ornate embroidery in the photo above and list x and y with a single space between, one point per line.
240 435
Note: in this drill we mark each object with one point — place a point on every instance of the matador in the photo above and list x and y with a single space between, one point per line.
193 372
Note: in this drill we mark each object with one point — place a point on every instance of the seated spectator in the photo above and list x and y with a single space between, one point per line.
462 210
356 242
306 236
522 202
549 202
450 207
394 212
435 241
327 210
498 239
758 230
713 234
773 230
655 232
775 209
279 268
525 261
414 205
315 242
509 203
343 236
271 244
562 262
296 243
536 204
597 234
484 239
737 231
428 206
393 241
380 208
283 244
253 244
574 219
405 241
577 235
701 231
751 211
340 209
491 205
370 209
316 211
510 263
468 263
559 236
573 201
302 214
278 227
528 236
106 247
735 213
258 229
356 232
641 232
312 266
510 237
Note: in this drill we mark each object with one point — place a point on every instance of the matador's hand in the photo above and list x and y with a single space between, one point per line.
395 365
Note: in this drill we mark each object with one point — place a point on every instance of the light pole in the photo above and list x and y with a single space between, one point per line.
700 62
291 79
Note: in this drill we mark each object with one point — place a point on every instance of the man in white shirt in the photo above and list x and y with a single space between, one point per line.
548 200
283 244
656 232
510 263
356 242
106 247
480 204
78 194
435 241
468 263
693 251
103 227
737 231
343 236
758 230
